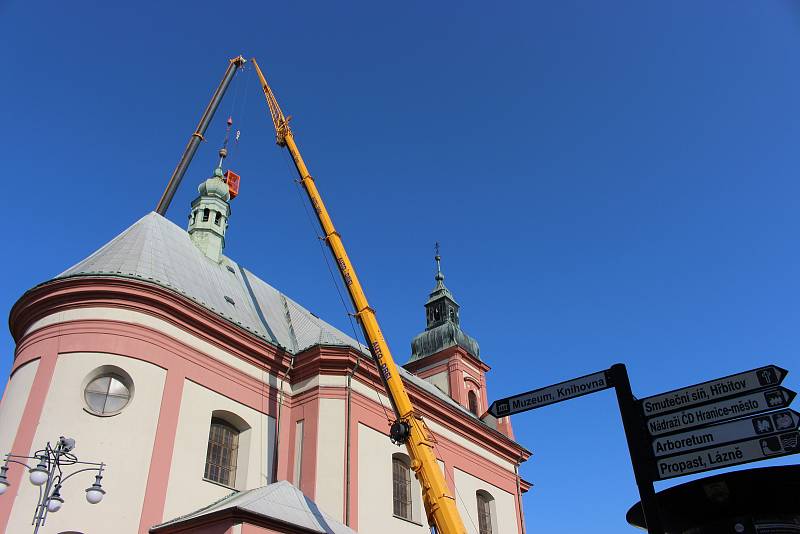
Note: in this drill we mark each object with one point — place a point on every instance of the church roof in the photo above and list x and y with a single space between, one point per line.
280 501
440 337
156 250
444 325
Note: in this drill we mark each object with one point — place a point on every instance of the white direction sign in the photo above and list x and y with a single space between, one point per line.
770 375
727 455
725 410
703 438
550 394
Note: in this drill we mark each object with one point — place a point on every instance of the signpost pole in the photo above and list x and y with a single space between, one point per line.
641 457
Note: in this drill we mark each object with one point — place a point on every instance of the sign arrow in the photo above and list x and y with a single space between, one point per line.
724 410
562 391
737 384
739 453
702 438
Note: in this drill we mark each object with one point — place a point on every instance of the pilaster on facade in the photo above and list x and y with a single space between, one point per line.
464 373
314 406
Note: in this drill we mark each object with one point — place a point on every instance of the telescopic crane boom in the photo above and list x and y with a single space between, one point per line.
409 429
194 141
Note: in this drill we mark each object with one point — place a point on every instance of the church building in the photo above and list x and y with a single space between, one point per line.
220 405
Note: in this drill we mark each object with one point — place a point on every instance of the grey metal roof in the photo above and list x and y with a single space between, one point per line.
280 501
156 250
438 338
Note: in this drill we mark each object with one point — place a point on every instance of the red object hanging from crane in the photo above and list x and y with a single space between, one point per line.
232 179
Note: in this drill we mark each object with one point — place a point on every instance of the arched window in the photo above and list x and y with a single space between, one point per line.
222 452
217 217
486 515
472 400
206 214
406 492
401 486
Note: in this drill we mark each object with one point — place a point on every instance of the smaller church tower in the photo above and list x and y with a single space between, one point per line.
208 220
444 354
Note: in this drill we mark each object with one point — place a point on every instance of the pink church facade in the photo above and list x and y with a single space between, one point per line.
197 342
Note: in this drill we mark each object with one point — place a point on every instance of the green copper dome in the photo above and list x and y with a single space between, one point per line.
443 329
215 187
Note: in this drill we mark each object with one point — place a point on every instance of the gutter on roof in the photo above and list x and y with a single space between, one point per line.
163 285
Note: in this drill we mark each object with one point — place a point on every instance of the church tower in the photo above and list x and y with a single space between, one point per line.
208 219
444 354
443 328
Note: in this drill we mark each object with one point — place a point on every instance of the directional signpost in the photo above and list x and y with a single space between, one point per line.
724 410
742 452
721 423
632 421
720 388
751 427
550 394
729 421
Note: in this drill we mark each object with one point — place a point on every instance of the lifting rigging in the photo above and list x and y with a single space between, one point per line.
234 65
409 428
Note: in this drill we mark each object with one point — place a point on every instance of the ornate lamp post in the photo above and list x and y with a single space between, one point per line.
48 476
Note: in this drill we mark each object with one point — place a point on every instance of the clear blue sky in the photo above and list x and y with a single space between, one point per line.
610 181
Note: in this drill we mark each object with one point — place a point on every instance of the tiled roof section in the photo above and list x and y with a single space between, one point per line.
280 501
156 250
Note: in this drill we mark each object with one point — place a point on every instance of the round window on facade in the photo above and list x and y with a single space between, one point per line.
108 392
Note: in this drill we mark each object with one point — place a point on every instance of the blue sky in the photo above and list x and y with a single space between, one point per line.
611 181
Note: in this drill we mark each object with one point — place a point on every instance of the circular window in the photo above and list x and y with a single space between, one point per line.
107 394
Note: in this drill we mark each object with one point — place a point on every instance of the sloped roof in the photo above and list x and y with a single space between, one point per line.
440 337
279 501
156 250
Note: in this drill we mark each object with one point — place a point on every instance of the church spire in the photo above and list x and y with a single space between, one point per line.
439 275
443 322
441 306
208 220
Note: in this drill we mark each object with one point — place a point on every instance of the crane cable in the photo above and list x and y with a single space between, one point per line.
233 110
455 488
358 336
243 107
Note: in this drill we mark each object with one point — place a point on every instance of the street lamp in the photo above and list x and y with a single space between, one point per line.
48 476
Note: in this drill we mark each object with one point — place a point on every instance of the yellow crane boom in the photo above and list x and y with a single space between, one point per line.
409 429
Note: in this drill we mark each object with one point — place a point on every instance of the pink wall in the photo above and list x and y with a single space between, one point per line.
161 460
369 413
305 407
185 363
23 441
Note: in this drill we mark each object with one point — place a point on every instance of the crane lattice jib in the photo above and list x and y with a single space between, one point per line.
440 505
